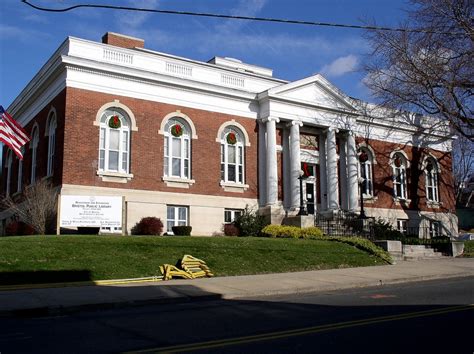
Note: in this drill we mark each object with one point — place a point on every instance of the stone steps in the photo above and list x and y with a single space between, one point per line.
419 252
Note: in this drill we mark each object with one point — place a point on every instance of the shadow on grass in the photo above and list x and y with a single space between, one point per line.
44 276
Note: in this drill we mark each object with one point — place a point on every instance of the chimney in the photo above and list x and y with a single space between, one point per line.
121 40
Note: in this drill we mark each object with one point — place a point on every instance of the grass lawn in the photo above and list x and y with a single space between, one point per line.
468 249
38 259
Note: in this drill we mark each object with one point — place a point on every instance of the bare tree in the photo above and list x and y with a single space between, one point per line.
37 208
429 67
463 165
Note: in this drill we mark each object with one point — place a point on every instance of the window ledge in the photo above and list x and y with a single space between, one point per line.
234 187
177 182
433 204
401 201
370 198
116 177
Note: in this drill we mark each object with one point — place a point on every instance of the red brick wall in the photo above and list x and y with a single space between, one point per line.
146 164
42 150
383 185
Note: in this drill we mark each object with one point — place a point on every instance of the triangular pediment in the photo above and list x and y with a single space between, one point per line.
315 90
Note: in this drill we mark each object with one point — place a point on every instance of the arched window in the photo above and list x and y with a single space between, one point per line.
9 172
34 152
114 141
51 131
431 174
19 182
177 156
232 155
399 165
366 161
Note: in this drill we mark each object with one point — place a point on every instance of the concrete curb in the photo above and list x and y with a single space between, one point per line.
132 292
371 284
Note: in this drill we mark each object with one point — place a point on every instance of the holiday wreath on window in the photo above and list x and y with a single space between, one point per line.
231 138
114 122
177 130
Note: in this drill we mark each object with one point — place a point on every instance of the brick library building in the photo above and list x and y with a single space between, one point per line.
195 143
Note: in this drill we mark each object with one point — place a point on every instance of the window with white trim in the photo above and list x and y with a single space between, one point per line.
19 182
114 141
231 214
177 156
435 229
431 174
399 176
366 172
51 143
402 226
232 155
9 172
34 152
176 216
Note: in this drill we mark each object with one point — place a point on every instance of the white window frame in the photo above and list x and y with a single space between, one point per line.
185 150
402 226
19 183
34 154
123 163
176 220
231 214
9 164
400 177
367 172
239 164
431 181
52 124
435 229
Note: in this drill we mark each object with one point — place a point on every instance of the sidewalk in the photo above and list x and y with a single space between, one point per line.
33 302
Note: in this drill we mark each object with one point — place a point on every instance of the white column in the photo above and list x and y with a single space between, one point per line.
286 169
331 165
344 197
262 164
323 172
352 177
295 165
272 167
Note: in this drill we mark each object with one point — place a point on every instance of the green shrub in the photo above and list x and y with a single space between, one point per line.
249 223
311 232
182 230
272 231
284 231
365 245
383 230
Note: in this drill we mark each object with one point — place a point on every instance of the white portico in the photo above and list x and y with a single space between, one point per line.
307 107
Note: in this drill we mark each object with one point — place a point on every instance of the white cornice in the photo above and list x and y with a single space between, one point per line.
132 74
295 102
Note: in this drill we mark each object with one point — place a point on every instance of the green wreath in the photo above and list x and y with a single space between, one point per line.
114 122
177 130
231 138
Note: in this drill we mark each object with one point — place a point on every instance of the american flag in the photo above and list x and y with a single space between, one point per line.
11 133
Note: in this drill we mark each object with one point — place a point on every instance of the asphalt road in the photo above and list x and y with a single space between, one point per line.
426 317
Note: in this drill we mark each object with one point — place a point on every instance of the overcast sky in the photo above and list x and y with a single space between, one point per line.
29 37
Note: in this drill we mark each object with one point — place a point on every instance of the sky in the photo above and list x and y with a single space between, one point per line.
28 37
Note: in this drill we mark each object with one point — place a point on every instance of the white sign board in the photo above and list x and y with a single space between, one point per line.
90 211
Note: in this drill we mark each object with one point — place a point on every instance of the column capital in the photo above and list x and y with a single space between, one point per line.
270 119
294 122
